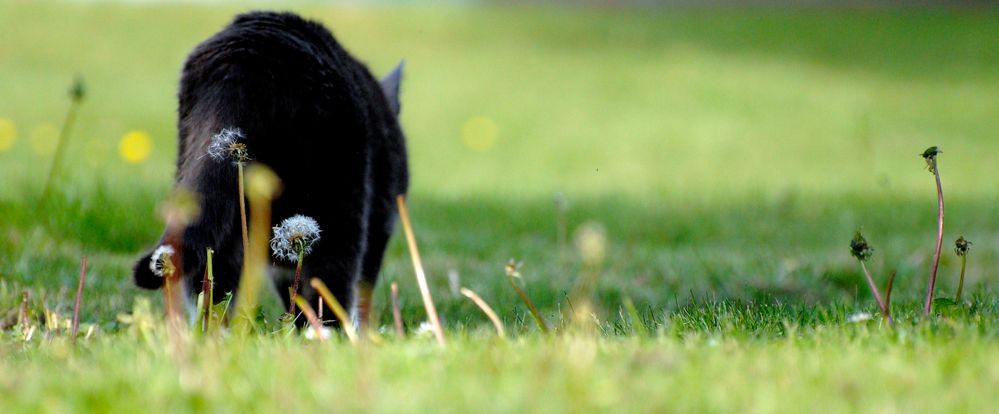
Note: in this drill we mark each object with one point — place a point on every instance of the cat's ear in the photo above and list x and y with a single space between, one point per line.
390 84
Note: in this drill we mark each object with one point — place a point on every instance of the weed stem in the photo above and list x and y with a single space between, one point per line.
79 296
485 309
421 278
960 283
877 296
940 228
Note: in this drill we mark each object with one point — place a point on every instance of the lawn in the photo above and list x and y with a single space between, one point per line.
727 155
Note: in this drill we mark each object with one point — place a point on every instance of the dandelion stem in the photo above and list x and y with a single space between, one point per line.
877 296
396 313
337 309
310 316
294 283
421 278
940 228
76 95
263 185
242 209
888 289
79 296
207 291
960 283
530 305
486 309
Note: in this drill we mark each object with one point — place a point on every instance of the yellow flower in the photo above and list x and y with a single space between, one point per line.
135 147
479 133
8 134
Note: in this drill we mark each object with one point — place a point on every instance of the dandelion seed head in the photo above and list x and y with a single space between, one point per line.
295 236
930 155
512 268
229 144
161 262
962 246
859 247
858 317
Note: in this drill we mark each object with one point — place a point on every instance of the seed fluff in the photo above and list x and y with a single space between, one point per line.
161 262
295 236
229 144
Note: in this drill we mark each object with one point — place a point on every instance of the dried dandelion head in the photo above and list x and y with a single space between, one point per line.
962 246
161 262
859 247
229 144
512 268
78 90
294 237
930 155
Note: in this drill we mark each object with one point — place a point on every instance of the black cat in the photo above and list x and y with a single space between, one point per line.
317 117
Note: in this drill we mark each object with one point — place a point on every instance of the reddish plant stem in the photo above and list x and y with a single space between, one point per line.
877 296
396 313
891 284
936 254
311 317
294 284
79 296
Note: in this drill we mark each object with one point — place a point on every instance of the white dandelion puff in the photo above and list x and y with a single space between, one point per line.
858 317
229 144
323 333
294 237
161 262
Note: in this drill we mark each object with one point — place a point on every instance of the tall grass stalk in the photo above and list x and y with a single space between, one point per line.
336 307
421 278
636 320
486 309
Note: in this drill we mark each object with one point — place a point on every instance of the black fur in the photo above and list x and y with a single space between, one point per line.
315 115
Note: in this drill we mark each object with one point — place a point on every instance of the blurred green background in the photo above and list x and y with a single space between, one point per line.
728 152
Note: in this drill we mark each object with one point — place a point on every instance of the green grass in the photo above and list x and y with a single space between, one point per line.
730 155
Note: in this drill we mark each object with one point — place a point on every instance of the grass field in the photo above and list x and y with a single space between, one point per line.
729 155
